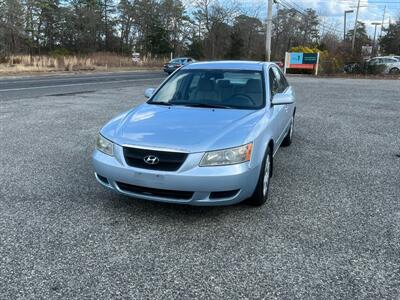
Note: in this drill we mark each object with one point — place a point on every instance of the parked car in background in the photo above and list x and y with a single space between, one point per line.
395 56
352 67
207 136
176 63
383 65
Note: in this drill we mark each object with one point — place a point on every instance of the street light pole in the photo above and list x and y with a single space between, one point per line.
374 43
268 32
355 27
383 21
345 16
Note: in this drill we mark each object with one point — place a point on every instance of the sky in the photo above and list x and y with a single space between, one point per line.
331 11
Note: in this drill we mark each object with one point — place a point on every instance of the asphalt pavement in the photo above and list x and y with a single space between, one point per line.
330 230
64 84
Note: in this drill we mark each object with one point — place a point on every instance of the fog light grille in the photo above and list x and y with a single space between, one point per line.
224 194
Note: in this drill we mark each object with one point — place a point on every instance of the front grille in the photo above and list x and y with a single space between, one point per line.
177 195
168 161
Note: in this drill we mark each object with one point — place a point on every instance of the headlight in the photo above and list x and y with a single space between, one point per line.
229 156
104 145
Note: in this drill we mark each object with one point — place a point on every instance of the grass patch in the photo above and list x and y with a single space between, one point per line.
70 63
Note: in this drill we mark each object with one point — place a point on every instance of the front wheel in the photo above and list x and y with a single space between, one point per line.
260 194
289 136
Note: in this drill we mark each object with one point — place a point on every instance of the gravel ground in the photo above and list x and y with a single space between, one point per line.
331 228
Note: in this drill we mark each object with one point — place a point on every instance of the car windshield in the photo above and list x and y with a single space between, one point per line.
213 88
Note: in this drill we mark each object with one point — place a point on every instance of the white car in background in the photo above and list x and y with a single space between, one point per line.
384 64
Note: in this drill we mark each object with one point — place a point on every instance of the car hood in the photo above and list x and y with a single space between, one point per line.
189 129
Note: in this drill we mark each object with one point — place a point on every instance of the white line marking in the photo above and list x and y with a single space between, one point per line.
33 80
72 84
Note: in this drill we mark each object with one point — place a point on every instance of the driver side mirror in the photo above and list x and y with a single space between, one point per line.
149 92
282 99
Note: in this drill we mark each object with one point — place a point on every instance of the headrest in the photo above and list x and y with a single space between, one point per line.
253 86
224 83
205 84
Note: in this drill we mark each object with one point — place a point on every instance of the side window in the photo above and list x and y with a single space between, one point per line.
388 60
273 82
282 83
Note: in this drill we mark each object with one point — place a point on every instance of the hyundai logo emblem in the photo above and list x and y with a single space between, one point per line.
151 160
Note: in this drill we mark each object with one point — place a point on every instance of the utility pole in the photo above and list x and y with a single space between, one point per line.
383 21
374 43
345 16
268 31
355 27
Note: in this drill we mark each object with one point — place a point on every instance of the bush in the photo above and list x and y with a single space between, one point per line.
4 59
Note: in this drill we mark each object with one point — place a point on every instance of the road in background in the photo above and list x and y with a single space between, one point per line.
330 228
27 87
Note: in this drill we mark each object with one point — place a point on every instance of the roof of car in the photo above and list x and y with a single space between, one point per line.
383 57
228 65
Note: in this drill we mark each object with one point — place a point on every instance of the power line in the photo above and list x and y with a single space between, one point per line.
295 7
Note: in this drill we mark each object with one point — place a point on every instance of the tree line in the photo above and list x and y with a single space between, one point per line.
210 30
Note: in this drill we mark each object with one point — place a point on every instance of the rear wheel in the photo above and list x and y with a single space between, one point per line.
260 194
394 71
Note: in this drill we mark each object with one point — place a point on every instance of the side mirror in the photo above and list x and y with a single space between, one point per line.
282 99
149 92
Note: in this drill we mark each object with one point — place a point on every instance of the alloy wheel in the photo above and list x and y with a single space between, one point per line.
266 175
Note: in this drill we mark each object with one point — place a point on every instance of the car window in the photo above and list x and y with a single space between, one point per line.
177 61
278 82
283 84
388 60
229 88
273 82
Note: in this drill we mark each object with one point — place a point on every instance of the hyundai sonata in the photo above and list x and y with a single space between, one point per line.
206 136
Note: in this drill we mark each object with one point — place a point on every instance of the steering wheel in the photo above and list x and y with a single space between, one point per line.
247 97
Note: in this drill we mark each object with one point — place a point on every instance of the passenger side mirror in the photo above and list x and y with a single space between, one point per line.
282 99
149 92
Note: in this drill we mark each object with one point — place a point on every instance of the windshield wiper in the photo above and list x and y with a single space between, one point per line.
205 105
160 103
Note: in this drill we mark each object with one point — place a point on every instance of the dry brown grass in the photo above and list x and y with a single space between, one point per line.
91 62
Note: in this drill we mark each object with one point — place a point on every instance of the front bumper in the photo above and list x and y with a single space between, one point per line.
202 181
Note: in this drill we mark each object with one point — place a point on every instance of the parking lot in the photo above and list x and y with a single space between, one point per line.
331 228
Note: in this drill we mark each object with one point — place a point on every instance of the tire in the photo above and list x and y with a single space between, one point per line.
260 194
394 71
289 136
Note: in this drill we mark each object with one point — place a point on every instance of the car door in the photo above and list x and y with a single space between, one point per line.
285 90
372 65
277 113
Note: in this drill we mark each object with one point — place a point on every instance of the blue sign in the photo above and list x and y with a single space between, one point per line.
296 58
